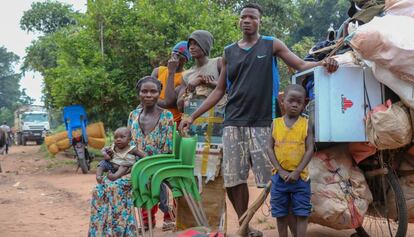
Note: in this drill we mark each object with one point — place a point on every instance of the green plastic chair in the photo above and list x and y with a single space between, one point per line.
185 153
148 171
142 163
183 171
178 173
181 180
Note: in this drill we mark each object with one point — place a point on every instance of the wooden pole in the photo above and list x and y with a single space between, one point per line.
248 215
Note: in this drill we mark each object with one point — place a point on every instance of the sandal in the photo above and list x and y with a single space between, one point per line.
168 225
146 228
255 233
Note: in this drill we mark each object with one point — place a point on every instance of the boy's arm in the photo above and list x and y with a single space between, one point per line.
107 153
122 170
306 157
272 156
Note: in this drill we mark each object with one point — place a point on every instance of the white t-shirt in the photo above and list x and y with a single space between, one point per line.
5 128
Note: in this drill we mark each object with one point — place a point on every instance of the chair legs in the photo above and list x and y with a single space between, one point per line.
141 228
150 223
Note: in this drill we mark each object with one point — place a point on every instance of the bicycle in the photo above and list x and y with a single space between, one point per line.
387 214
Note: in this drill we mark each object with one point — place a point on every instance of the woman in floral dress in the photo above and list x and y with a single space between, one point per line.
152 128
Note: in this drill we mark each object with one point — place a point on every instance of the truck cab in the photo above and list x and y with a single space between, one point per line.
31 126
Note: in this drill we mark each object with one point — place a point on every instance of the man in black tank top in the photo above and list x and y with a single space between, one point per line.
250 76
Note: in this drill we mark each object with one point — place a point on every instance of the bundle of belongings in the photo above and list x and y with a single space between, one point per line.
379 34
386 44
340 193
60 141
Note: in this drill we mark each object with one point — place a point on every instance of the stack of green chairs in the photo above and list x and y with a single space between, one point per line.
176 169
139 190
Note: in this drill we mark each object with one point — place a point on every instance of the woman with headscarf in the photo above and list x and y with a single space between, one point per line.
152 130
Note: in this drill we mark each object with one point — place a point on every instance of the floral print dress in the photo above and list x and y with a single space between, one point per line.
112 209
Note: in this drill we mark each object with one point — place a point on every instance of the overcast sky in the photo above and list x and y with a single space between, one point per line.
16 40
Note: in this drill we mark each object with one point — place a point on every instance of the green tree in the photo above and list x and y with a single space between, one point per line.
9 79
279 17
97 62
9 85
47 17
317 17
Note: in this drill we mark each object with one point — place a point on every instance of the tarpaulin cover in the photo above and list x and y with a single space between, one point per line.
389 42
340 193
390 127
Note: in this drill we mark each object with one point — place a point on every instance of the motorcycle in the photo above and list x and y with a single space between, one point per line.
75 118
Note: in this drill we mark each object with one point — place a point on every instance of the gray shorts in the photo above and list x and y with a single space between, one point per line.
245 148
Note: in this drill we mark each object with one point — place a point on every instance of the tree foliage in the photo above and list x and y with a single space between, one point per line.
97 62
317 16
47 17
10 95
95 59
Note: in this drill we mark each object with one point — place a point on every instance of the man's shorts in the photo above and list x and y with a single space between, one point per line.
245 148
288 198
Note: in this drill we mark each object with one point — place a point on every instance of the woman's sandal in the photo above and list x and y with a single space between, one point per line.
168 225
255 233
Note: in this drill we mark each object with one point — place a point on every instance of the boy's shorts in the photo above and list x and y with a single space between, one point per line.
107 166
245 148
288 198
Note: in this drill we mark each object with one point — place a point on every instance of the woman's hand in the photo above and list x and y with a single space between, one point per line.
193 83
173 63
209 80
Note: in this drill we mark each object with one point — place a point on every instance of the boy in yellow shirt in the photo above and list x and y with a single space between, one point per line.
290 149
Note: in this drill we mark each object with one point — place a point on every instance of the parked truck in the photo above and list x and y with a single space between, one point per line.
30 124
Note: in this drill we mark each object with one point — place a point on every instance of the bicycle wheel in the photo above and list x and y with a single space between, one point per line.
387 214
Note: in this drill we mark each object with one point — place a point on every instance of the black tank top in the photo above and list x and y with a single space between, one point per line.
252 84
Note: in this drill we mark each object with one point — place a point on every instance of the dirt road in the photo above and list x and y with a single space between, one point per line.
45 197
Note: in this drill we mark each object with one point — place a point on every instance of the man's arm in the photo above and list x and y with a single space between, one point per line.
306 157
211 100
292 60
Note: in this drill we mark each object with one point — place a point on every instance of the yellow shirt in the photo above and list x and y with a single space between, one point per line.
163 77
289 144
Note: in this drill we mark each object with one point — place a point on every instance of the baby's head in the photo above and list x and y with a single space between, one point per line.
294 100
122 137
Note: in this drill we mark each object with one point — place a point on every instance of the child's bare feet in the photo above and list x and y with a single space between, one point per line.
99 179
